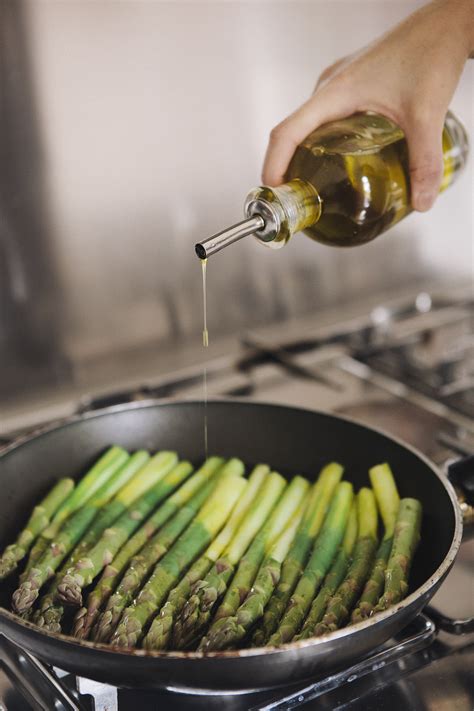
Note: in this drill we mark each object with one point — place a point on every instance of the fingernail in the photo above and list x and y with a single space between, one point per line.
423 201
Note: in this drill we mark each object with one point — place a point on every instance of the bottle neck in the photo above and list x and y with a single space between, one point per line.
273 216
286 209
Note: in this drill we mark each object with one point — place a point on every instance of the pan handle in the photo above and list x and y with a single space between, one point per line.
449 624
461 476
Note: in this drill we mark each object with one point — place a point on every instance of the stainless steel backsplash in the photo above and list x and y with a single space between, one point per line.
130 129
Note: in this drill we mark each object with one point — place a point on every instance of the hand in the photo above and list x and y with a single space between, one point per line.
409 75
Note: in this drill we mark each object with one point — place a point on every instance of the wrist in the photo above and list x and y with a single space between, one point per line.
460 13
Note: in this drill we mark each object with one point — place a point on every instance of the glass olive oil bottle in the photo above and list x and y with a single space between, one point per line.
347 183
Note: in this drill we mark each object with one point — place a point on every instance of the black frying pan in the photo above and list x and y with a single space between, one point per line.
292 441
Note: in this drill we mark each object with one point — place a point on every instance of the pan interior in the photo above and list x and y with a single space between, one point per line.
292 441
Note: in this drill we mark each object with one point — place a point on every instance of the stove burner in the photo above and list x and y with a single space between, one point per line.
413 640
427 345
413 648
56 689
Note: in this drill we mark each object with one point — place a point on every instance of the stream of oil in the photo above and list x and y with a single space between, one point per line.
205 343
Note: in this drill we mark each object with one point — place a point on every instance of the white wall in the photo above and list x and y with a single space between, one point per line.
155 117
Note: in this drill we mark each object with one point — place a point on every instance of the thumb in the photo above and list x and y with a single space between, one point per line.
425 156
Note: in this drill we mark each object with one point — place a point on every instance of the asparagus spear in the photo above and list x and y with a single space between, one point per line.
160 630
95 478
69 534
38 521
197 611
229 631
333 579
250 562
142 563
86 616
49 614
320 560
189 545
386 494
104 551
153 472
50 611
388 502
93 481
340 604
294 563
122 493
405 541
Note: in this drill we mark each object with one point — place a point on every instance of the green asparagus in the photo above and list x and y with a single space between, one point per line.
159 466
248 566
294 563
206 593
93 481
167 572
333 579
339 606
86 569
205 560
38 521
180 497
386 494
70 534
229 631
406 537
388 501
142 563
86 616
49 610
131 471
161 628
95 478
318 565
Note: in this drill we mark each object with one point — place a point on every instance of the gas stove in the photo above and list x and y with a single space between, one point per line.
382 681
406 367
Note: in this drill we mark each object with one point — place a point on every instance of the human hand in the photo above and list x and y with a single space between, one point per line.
408 75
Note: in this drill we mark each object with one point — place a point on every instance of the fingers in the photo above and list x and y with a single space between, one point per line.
424 138
327 105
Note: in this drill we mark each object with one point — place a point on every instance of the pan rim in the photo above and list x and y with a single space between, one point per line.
424 589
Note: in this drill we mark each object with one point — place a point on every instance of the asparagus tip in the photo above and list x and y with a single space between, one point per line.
7 566
159 633
194 616
222 636
104 627
24 597
127 634
82 623
70 591
48 615
362 612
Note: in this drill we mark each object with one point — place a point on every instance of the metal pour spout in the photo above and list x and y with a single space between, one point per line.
222 239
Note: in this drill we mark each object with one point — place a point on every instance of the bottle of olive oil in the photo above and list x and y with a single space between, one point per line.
347 183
